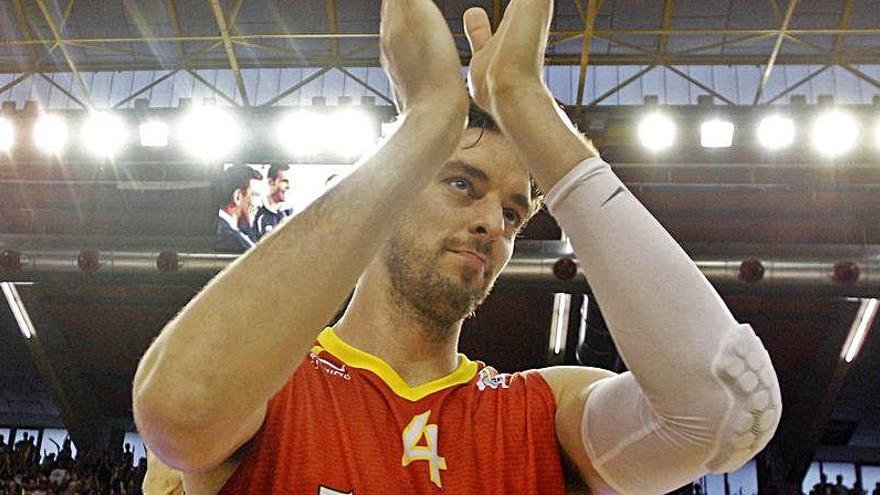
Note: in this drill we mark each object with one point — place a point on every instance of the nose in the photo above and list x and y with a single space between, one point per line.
488 220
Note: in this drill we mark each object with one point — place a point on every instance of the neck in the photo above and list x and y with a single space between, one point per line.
272 205
234 214
383 325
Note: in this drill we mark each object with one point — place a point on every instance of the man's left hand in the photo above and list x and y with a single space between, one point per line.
511 57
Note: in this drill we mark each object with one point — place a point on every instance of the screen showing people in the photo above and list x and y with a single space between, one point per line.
254 199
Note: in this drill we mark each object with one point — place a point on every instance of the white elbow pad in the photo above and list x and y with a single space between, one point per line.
638 450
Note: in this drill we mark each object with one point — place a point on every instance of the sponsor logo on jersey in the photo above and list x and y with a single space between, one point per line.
489 378
329 368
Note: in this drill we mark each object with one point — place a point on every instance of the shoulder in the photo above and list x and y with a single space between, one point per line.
571 382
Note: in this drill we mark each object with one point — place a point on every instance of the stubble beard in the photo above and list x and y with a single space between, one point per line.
437 298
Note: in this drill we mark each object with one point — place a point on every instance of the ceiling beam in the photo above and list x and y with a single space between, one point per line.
700 85
331 25
668 6
25 30
626 82
592 11
609 59
775 53
572 34
171 9
56 33
15 82
798 84
845 18
217 91
230 50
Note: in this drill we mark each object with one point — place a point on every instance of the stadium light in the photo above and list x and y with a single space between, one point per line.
861 325
877 135
50 134
104 134
304 133
716 133
835 133
354 133
209 132
7 135
153 134
657 132
776 132
19 312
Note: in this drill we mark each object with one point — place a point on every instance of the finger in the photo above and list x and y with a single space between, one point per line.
477 28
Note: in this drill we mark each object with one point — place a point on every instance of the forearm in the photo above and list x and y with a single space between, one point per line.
539 130
237 342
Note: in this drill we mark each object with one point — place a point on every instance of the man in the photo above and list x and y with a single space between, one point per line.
237 194
383 403
270 214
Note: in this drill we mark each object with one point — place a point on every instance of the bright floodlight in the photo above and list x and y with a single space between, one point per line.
154 134
877 134
354 133
657 132
305 133
209 132
50 134
7 135
104 134
835 133
716 133
776 132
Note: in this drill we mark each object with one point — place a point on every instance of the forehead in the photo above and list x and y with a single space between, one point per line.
494 155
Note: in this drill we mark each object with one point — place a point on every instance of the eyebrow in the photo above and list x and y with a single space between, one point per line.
480 175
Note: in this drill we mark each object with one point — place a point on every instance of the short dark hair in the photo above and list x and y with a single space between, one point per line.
232 179
274 169
480 119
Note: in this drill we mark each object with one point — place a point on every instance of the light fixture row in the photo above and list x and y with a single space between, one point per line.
833 132
207 132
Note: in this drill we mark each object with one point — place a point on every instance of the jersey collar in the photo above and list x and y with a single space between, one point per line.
356 358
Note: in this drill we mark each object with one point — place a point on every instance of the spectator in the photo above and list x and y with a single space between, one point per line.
839 488
876 489
235 193
271 213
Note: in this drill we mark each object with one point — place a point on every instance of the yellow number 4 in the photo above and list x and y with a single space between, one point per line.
417 428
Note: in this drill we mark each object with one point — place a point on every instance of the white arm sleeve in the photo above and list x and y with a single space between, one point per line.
701 394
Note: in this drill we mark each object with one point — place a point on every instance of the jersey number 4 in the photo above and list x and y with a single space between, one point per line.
415 450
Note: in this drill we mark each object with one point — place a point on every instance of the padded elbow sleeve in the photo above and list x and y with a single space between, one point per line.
638 450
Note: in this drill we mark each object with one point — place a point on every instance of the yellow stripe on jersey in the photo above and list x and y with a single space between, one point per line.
357 358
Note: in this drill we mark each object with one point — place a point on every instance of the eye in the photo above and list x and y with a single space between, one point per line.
460 183
512 216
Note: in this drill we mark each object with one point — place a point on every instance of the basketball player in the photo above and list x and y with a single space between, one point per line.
238 393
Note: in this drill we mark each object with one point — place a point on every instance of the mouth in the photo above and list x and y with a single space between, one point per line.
472 257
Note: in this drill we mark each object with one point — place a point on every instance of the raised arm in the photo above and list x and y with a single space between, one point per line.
702 394
201 389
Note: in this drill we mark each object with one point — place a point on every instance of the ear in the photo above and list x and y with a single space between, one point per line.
238 196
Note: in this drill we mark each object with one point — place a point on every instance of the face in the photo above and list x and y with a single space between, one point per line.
278 187
248 200
445 254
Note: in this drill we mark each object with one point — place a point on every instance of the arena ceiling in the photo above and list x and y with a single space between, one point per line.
75 36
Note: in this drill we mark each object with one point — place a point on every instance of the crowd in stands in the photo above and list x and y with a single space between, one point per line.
823 487
25 471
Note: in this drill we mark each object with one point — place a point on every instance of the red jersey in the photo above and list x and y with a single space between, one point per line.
346 423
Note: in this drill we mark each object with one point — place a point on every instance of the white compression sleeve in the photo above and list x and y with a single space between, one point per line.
701 393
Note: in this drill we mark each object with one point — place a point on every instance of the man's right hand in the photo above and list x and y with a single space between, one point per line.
419 56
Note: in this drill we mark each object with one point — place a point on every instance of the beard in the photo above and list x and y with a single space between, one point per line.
437 297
